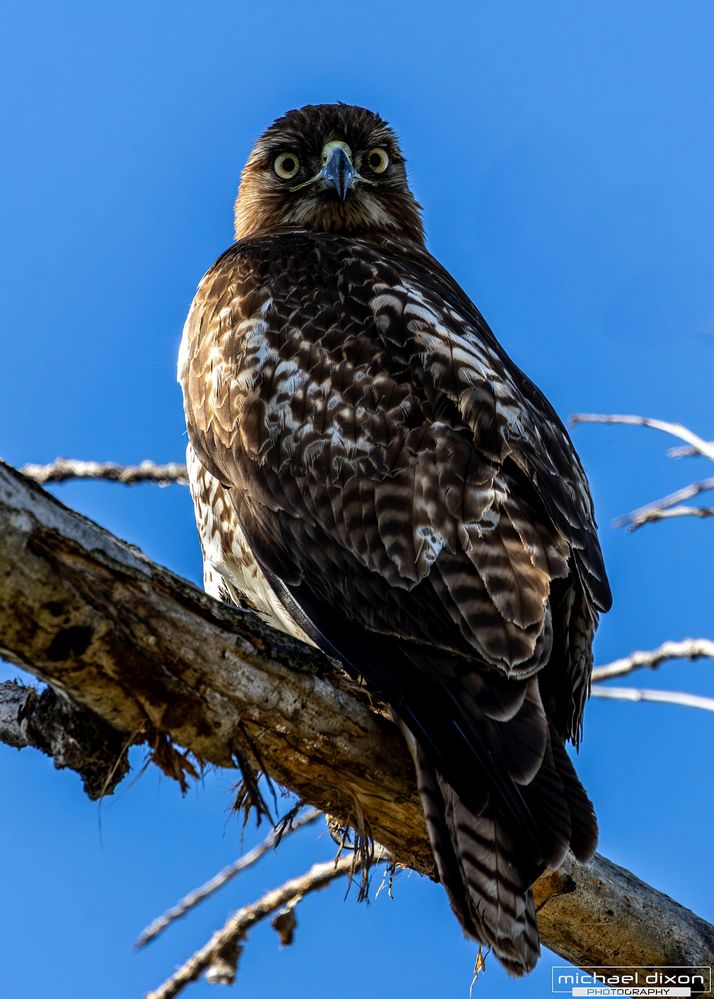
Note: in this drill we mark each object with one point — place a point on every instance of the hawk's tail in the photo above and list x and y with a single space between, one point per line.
480 854
477 864
500 795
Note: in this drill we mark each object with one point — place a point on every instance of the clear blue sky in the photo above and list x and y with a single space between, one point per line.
564 155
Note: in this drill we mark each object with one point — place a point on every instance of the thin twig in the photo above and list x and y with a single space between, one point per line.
688 648
69 468
234 931
656 510
685 451
223 877
699 445
662 696
673 512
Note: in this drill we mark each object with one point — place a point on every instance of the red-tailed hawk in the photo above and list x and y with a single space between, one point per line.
372 471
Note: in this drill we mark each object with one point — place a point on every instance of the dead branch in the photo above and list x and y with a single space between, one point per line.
74 738
667 506
685 451
688 648
573 904
154 657
698 444
660 696
62 469
225 945
702 512
193 898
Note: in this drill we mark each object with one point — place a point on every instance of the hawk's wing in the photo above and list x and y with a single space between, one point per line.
412 496
385 449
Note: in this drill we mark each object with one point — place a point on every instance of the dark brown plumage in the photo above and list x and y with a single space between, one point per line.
371 471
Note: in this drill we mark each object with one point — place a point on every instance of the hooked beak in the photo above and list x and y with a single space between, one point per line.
337 172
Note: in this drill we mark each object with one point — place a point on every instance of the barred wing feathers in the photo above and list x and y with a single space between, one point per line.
418 508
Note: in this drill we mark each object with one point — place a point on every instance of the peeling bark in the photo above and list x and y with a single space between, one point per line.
158 661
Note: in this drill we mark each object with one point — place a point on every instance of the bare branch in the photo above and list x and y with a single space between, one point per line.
661 696
223 877
685 451
688 648
666 507
235 930
572 906
698 444
702 512
150 654
74 738
70 468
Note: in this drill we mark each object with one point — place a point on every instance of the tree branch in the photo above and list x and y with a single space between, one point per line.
153 655
697 444
672 512
666 507
685 451
225 946
688 648
157 659
659 696
62 469
74 738
211 886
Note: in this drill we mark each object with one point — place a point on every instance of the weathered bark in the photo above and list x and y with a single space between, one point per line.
153 656
74 737
160 661
601 915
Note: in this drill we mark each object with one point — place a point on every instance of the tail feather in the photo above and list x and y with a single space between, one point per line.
500 796
584 829
445 850
486 862
519 739
550 808
477 864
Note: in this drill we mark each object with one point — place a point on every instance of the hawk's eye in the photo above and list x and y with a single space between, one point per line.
378 160
286 165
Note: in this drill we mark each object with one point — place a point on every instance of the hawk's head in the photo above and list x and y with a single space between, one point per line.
328 168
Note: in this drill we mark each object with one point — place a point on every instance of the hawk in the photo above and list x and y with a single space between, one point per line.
372 473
